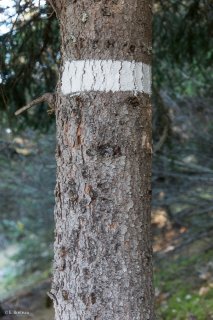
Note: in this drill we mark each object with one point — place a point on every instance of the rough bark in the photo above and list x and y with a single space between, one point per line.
103 254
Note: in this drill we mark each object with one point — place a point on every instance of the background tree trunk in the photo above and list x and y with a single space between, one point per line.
103 255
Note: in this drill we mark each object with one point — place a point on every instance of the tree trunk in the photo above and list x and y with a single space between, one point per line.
103 254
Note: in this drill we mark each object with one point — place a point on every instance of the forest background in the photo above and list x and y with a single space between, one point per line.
182 163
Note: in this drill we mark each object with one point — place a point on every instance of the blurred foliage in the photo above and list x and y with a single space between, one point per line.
183 212
27 179
29 58
182 41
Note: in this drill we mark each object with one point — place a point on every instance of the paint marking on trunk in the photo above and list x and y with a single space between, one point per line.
105 76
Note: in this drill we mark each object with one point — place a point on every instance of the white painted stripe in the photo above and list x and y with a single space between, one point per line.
105 76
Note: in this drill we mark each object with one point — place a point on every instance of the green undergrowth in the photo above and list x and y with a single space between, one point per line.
184 288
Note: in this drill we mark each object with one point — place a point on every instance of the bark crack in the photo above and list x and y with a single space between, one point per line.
119 80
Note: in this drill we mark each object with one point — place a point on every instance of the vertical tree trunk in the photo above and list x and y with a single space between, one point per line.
103 255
